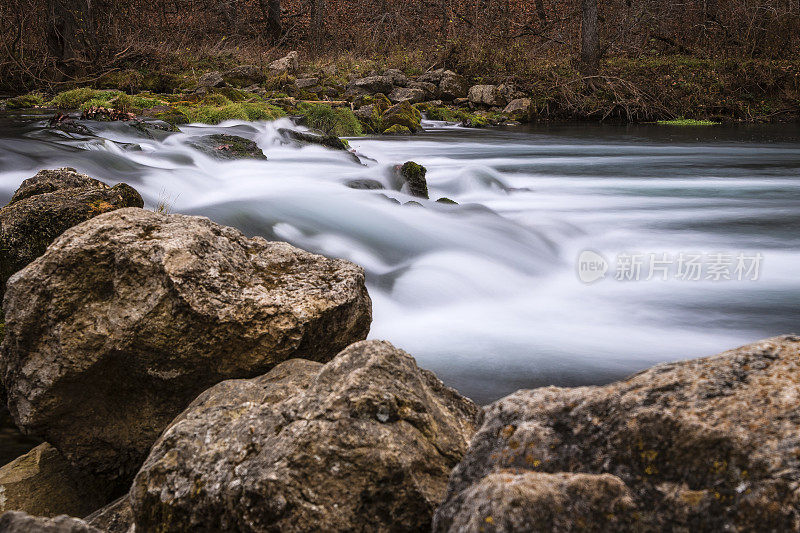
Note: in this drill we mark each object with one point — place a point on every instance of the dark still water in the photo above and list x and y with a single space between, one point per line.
700 225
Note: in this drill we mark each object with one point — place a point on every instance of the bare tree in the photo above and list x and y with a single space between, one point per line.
272 12
317 22
590 38
70 33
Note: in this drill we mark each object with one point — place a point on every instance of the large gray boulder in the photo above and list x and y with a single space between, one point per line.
363 443
42 482
287 64
452 86
127 317
21 522
243 76
45 206
705 445
372 85
407 94
490 95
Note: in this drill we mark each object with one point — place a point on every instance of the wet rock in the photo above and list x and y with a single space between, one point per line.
42 482
704 445
285 65
243 76
224 146
20 522
412 176
452 86
364 442
127 317
68 124
519 109
402 114
372 85
211 79
116 517
328 141
407 94
489 95
365 184
446 200
397 77
45 206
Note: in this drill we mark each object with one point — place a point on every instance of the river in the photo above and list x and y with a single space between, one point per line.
489 293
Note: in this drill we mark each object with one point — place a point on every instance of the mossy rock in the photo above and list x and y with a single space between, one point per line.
402 114
223 146
338 121
413 175
397 129
232 94
25 101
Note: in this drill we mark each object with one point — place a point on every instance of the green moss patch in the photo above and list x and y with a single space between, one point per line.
25 101
210 114
338 121
687 122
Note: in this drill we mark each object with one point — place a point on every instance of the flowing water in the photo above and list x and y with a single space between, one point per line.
486 293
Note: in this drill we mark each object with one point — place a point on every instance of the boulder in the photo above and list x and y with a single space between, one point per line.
372 85
397 129
407 94
433 76
42 482
397 77
286 65
452 86
116 517
243 76
127 317
490 95
363 443
402 114
45 206
705 445
306 83
430 89
519 109
211 79
412 176
224 146
20 522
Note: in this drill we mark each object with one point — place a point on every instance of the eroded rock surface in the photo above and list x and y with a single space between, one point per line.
127 317
20 522
705 445
363 443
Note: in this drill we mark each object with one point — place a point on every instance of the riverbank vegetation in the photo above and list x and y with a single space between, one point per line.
621 60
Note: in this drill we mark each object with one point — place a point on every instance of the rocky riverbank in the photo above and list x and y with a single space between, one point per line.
185 377
377 97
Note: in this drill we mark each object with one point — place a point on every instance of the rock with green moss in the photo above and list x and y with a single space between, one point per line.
161 82
519 109
168 114
224 146
25 101
337 121
402 114
362 443
397 129
127 317
45 206
42 482
702 445
243 76
412 176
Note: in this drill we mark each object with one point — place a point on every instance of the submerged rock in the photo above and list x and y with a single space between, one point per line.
45 206
412 175
127 317
224 146
20 522
365 184
42 482
705 445
362 443
328 141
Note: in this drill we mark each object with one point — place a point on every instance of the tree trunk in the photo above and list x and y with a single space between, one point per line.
590 39
540 11
273 14
70 33
317 23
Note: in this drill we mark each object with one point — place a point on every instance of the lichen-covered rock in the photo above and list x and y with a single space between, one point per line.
399 79
45 206
211 79
407 94
116 517
127 317
224 146
42 482
20 522
490 95
372 85
363 443
452 86
285 65
705 445
519 109
402 114
243 76
412 176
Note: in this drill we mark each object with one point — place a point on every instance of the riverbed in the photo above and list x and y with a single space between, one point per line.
490 293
